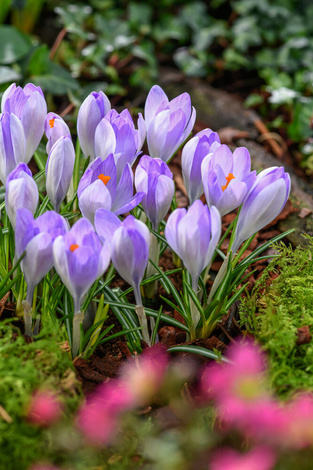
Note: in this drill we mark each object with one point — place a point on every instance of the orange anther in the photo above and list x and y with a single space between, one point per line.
104 179
74 247
51 122
228 179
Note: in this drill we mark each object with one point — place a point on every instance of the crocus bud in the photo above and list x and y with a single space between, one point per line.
59 170
116 134
265 200
92 110
35 237
155 179
193 235
20 191
55 127
227 178
168 122
80 259
193 153
130 242
12 144
98 188
30 106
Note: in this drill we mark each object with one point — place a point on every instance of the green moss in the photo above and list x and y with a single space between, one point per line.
275 310
25 368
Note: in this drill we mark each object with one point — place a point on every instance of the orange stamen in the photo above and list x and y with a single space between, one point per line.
74 247
104 179
51 122
228 179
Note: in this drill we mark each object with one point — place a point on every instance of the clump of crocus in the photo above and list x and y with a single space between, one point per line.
35 237
12 144
259 458
116 133
130 242
168 123
80 259
20 192
59 170
99 188
30 106
265 200
195 150
92 110
44 409
227 178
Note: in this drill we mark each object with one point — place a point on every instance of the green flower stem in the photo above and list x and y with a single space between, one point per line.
77 321
140 312
28 320
151 289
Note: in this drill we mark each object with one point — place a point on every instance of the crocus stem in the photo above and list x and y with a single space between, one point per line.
140 311
219 277
195 317
151 289
28 318
77 321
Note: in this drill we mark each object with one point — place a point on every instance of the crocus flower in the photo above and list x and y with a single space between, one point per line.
193 153
259 458
20 191
116 134
227 178
168 122
193 235
30 106
44 409
98 188
92 110
154 178
262 204
80 259
12 144
55 127
130 241
35 237
59 170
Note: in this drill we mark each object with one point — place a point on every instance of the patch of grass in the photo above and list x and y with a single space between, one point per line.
25 368
275 310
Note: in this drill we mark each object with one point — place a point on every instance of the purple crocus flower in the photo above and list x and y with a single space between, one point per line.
20 191
80 259
193 234
55 127
12 144
98 188
30 106
36 236
59 170
262 204
116 134
193 153
92 110
130 242
155 179
227 178
168 123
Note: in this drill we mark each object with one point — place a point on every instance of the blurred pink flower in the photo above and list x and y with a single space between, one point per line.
98 418
299 422
143 375
260 458
44 409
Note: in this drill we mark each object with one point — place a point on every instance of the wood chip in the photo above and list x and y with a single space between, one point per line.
304 212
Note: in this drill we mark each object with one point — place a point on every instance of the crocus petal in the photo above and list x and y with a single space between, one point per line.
154 99
105 140
94 197
106 222
12 144
38 259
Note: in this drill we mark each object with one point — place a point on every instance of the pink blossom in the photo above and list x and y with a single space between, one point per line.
143 375
260 458
98 418
44 409
299 422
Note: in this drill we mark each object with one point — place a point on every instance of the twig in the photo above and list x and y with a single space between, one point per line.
57 43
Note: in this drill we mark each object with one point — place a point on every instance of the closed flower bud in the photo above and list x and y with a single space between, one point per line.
55 127
12 144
